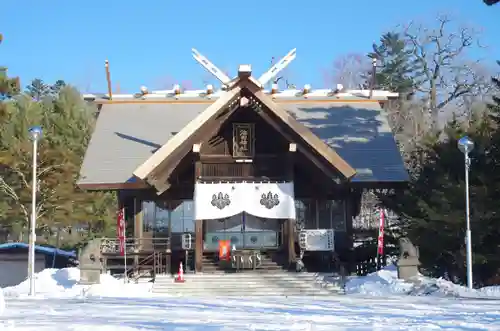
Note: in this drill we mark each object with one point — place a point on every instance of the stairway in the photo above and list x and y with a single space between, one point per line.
252 283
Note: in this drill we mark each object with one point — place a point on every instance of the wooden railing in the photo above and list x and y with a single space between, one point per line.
258 168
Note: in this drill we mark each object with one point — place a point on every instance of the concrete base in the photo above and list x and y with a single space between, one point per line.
90 276
408 268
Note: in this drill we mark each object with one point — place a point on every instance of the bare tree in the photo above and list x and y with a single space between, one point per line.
445 75
165 82
350 70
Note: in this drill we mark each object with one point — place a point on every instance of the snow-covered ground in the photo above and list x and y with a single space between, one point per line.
376 302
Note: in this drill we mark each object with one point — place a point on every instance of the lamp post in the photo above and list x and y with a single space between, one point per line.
35 133
465 145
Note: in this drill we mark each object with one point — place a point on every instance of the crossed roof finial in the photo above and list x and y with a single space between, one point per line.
263 79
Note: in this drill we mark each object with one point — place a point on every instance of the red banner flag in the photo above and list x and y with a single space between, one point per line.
380 248
120 229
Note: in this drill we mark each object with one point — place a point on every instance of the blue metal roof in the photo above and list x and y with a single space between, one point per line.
39 249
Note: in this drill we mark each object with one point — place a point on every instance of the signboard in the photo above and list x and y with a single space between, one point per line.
120 228
317 240
243 140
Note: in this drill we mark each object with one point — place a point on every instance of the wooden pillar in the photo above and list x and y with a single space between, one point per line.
198 228
138 223
349 214
138 228
290 224
198 247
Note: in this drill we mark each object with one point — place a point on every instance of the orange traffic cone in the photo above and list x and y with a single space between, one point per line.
180 275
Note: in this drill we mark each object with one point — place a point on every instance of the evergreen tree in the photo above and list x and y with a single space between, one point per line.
491 2
394 61
8 86
38 89
432 207
67 122
56 88
494 107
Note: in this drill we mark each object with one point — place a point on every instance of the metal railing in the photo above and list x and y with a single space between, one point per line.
137 271
178 241
132 245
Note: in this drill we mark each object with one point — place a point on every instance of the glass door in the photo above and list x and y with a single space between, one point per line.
244 231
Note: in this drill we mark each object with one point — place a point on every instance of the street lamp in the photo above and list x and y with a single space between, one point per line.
35 133
465 145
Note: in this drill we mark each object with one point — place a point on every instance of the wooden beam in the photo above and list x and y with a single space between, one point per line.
211 101
196 148
213 158
113 186
162 187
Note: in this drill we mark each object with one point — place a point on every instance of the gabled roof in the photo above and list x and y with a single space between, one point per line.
177 147
127 134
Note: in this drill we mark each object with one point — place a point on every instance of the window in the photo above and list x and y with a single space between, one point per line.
321 214
158 215
338 215
182 217
306 213
148 216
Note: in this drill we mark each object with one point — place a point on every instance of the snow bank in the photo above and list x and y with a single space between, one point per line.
64 283
2 303
381 283
386 283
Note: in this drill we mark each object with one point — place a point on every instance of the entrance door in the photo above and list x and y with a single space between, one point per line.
244 231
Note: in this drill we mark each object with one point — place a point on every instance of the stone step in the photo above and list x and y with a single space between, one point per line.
205 263
257 295
244 289
250 283
266 269
240 280
246 293
240 286
217 264
249 274
288 285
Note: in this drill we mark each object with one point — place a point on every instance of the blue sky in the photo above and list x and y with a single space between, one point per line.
149 42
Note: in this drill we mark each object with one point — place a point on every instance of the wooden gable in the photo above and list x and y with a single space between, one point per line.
222 118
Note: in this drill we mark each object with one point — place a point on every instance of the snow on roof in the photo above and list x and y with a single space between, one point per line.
39 249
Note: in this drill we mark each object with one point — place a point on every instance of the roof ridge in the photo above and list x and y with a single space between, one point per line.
208 95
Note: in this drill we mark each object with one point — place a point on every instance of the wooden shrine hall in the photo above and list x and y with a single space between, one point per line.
278 174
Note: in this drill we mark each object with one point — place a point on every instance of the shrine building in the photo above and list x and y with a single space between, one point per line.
278 174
